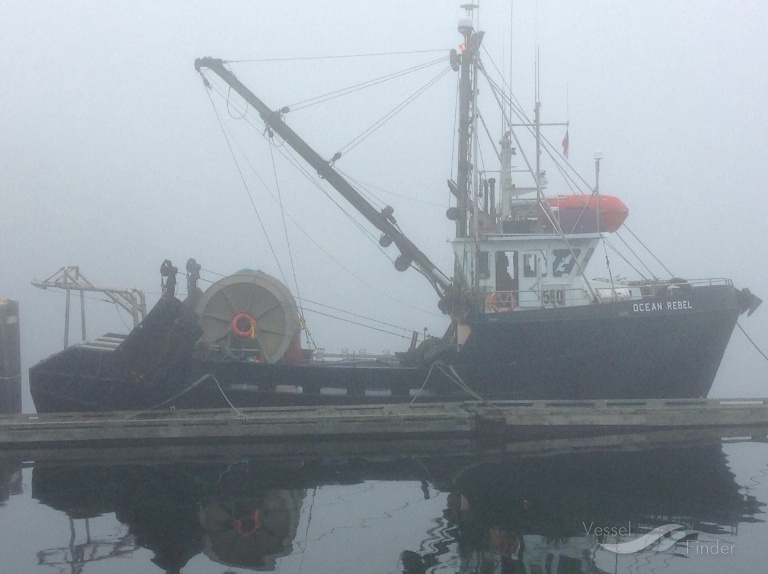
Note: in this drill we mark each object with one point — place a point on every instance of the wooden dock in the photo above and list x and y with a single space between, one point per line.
518 420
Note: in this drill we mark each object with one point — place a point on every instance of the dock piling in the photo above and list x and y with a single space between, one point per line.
10 358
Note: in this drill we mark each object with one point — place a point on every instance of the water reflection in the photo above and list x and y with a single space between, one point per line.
10 480
75 555
494 513
548 514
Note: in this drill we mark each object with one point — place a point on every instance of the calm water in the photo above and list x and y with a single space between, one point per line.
505 508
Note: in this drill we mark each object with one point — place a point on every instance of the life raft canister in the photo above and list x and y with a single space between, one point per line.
244 325
502 301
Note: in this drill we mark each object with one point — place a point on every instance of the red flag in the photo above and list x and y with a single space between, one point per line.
565 144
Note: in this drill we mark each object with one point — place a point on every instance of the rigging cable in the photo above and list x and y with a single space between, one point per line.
360 324
648 250
341 56
488 133
365 231
358 224
288 243
358 315
514 105
558 160
288 155
229 108
551 150
648 269
120 315
212 273
392 113
358 87
309 336
299 166
363 185
455 131
242 178
302 169
362 188
627 261
759 350
607 262
544 205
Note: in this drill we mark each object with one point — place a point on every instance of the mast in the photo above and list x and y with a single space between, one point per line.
465 133
382 220
467 102
466 184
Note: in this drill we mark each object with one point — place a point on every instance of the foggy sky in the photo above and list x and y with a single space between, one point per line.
112 157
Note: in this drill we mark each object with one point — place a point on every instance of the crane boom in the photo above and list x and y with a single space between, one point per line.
381 219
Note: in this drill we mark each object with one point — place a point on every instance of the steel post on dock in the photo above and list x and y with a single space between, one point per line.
10 358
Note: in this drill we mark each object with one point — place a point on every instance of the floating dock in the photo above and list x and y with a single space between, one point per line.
518 420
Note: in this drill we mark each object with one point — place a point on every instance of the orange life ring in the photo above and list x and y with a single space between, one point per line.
502 301
237 327
246 525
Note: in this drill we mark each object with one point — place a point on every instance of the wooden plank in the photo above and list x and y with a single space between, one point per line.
362 422
658 413
392 420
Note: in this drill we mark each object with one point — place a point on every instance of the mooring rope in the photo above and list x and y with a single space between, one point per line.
173 398
454 377
759 350
189 388
424 384
226 398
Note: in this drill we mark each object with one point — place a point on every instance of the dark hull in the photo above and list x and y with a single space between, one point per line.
663 347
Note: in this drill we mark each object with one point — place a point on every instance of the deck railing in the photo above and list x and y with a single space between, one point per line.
603 290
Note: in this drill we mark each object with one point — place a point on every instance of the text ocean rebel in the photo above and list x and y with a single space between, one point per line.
655 307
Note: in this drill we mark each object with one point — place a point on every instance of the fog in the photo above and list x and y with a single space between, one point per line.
113 157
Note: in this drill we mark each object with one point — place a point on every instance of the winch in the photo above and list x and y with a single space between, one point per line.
250 312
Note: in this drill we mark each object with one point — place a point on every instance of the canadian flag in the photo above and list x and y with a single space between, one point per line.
565 144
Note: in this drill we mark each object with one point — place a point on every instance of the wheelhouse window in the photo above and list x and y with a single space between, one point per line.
506 270
530 265
564 261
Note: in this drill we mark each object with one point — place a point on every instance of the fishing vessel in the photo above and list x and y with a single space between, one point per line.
524 321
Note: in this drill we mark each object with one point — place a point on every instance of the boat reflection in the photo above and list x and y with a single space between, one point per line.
548 514
500 513
10 480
